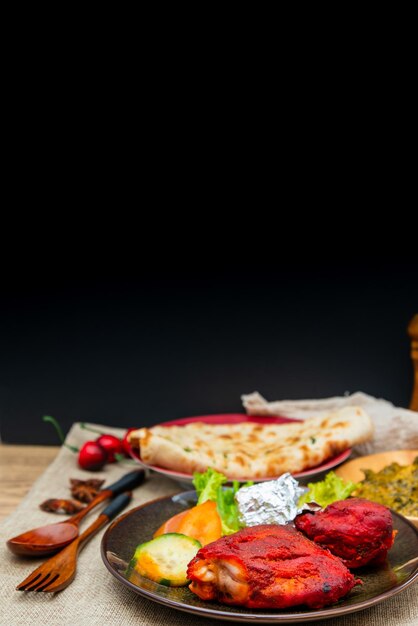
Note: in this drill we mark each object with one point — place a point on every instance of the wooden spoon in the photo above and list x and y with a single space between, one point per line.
59 571
52 537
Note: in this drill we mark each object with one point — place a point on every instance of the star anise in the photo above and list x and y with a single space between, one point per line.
85 490
59 505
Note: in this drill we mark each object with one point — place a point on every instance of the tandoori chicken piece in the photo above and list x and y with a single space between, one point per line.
356 530
269 566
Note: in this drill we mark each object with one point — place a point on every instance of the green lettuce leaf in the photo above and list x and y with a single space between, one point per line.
329 490
228 508
209 486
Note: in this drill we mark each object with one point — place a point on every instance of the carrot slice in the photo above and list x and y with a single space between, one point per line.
202 522
171 525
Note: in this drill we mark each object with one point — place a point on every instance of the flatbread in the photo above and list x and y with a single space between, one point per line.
250 449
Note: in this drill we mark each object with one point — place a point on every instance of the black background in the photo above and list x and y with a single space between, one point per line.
148 338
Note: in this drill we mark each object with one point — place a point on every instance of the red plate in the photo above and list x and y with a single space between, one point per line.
240 418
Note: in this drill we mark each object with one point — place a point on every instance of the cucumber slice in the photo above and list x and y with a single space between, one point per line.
165 559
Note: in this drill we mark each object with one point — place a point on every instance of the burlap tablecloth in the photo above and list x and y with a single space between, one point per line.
95 597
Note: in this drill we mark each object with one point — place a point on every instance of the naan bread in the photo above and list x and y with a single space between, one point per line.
252 450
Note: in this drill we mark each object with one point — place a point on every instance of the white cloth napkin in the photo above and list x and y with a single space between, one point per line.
394 428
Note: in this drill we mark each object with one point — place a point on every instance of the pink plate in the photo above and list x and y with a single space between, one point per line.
240 418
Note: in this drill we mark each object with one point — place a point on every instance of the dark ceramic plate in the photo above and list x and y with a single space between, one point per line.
139 524
240 418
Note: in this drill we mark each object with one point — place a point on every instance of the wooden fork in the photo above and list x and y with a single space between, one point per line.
59 571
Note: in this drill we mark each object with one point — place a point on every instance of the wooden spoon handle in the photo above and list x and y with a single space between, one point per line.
127 482
115 507
103 495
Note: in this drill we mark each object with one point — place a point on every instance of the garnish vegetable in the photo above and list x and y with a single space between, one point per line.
209 486
164 559
329 490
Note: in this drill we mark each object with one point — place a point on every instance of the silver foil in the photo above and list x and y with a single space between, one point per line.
271 502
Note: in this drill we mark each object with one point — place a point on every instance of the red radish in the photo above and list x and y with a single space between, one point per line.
117 446
112 446
92 456
125 443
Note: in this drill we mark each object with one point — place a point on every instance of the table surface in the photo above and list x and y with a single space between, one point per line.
20 466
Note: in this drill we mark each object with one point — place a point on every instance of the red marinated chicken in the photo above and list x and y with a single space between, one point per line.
356 530
268 566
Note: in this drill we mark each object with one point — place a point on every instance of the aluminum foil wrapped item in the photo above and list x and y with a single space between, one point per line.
271 502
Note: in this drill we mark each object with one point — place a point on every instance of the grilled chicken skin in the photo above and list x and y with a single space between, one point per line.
356 530
268 566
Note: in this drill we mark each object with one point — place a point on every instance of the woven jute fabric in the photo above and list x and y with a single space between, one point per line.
95 597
